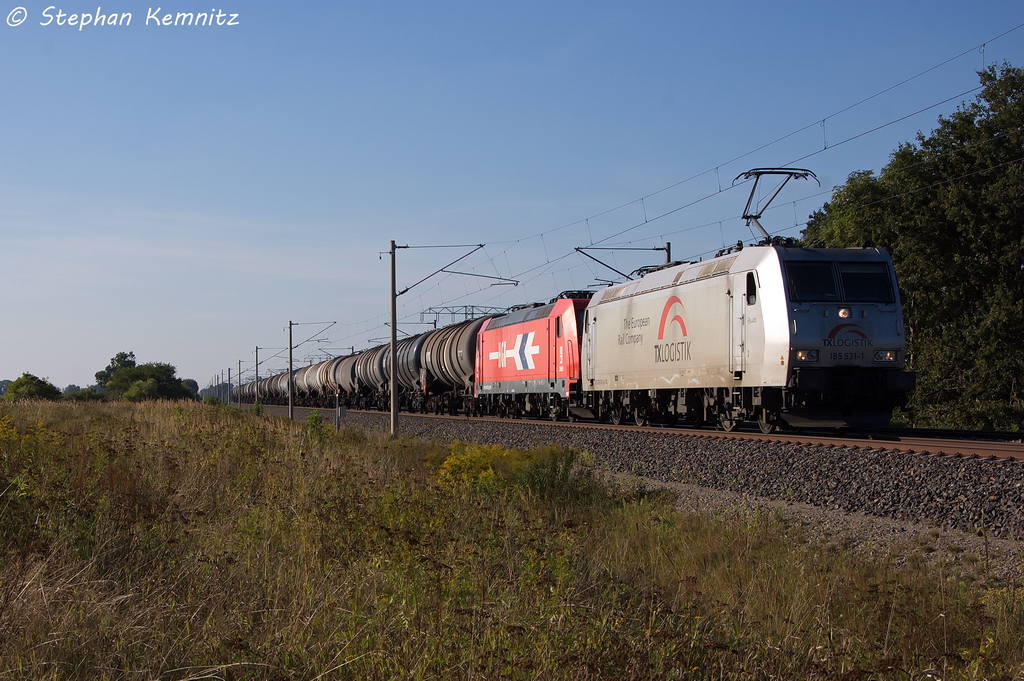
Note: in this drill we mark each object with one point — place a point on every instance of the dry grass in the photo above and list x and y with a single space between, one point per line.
187 542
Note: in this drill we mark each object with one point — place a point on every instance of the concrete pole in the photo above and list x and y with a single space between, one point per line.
291 406
394 343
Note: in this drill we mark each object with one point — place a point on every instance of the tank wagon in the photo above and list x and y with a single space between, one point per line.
448 363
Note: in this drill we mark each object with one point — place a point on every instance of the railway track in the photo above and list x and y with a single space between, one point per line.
957 444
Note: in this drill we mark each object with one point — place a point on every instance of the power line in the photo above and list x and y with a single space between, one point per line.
547 267
787 136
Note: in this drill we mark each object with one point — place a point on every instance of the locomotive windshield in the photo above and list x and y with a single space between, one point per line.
866 282
844 281
812 282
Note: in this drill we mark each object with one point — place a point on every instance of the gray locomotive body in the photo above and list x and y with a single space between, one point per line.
776 334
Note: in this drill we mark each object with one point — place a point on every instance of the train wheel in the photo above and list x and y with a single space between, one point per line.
727 419
617 415
767 422
642 416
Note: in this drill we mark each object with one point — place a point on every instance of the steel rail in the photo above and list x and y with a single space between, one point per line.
946 447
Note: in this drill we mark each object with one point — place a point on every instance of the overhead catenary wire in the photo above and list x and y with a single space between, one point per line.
788 135
798 224
491 258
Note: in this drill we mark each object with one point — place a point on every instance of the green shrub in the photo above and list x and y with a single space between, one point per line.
30 387
89 394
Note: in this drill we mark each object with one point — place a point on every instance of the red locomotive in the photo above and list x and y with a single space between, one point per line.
528 361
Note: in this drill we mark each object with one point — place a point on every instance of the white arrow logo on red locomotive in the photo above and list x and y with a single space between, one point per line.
525 351
522 353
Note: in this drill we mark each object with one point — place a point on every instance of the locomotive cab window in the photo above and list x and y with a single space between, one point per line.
751 289
812 282
847 281
866 282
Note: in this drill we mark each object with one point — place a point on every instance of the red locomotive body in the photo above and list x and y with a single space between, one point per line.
528 361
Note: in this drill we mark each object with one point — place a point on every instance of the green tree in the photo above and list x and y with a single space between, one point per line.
122 360
151 381
30 387
140 391
948 208
90 394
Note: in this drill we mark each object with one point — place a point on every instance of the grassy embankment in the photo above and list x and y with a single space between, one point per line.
187 541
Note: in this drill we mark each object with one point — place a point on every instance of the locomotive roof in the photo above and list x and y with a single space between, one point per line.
734 260
521 315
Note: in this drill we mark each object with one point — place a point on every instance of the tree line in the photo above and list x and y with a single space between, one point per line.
949 208
122 379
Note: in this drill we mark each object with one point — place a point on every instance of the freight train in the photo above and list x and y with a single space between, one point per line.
776 334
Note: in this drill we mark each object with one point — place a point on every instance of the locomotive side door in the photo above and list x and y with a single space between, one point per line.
554 338
587 359
737 324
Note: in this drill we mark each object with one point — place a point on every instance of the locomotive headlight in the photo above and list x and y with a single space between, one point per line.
807 355
886 355
845 313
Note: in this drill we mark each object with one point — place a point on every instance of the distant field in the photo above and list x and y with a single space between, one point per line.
184 541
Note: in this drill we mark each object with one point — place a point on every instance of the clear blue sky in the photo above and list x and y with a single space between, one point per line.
184 191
